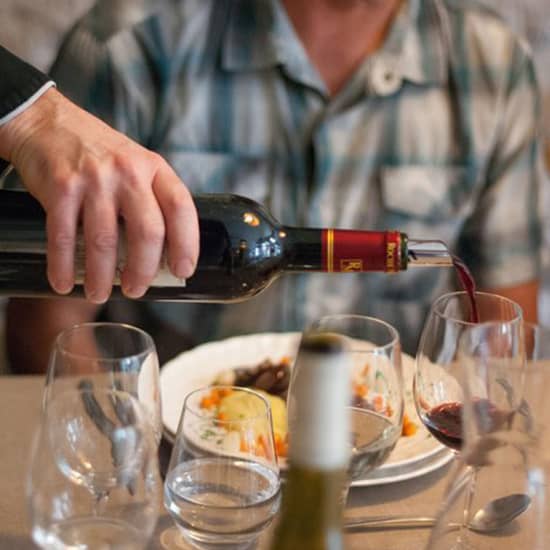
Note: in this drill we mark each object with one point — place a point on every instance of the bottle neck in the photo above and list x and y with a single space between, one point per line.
340 250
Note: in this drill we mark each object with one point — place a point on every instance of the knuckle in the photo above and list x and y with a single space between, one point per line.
104 241
177 201
156 159
152 233
62 240
127 171
65 182
93 172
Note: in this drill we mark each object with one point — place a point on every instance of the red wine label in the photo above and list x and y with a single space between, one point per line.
357 251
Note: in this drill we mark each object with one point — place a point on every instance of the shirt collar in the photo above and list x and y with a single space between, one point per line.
423 54
259 36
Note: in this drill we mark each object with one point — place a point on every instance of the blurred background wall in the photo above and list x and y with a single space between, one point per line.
33 28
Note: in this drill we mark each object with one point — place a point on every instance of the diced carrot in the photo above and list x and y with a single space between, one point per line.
281 446
409 427
244 446
261 447
361 390
378 403
207 403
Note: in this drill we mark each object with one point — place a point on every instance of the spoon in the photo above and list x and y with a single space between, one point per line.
491 517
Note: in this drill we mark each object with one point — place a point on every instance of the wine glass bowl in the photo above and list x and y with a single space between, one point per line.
94 480
438 381
109 356
223 486
377 403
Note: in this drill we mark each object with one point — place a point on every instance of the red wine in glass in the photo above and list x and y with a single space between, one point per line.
444 421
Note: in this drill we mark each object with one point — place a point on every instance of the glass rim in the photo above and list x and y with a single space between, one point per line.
445 298
58 346
206 389
393 332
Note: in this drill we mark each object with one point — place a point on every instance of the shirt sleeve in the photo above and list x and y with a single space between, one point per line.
20 85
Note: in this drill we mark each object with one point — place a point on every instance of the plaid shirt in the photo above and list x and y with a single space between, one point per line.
434 135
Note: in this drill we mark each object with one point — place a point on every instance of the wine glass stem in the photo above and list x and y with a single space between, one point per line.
470 491
344 493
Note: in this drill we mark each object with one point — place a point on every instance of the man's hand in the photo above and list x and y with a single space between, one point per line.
80 169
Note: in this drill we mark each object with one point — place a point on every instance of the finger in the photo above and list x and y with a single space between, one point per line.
180 217
144 241
61 227
101 236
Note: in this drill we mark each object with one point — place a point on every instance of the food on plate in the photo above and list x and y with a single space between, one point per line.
228 406
268 376
273 379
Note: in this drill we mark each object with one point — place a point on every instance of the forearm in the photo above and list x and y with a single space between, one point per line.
526 295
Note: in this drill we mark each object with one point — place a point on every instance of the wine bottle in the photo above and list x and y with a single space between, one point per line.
319 427
242 250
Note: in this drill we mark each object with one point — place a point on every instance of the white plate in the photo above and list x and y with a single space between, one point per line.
382 476
198 368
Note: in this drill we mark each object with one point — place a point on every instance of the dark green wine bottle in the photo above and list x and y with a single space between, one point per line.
311 512
242 250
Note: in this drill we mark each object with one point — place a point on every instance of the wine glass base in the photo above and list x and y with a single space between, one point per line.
175 538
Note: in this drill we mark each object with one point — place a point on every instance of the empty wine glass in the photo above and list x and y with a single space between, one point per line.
222 487
94 481
109 356
506 443
377 391
438 380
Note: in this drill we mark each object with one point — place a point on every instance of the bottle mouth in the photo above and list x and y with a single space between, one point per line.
430 253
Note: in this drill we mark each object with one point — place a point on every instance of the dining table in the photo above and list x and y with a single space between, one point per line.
21 397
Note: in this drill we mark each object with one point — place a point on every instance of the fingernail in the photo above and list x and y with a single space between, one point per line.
184 268
62 287
96 297
134 291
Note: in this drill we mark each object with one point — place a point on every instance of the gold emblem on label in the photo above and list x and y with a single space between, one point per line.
351 265
390 256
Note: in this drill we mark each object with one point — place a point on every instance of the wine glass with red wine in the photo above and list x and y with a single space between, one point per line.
506 443
439 377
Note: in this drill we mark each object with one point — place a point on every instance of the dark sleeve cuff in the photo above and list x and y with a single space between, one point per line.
19 81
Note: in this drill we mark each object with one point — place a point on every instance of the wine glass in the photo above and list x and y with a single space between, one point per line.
438 380
111 356
506 419
222 487
94 479
376 410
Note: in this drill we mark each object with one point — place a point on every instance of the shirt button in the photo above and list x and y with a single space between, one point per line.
384 78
